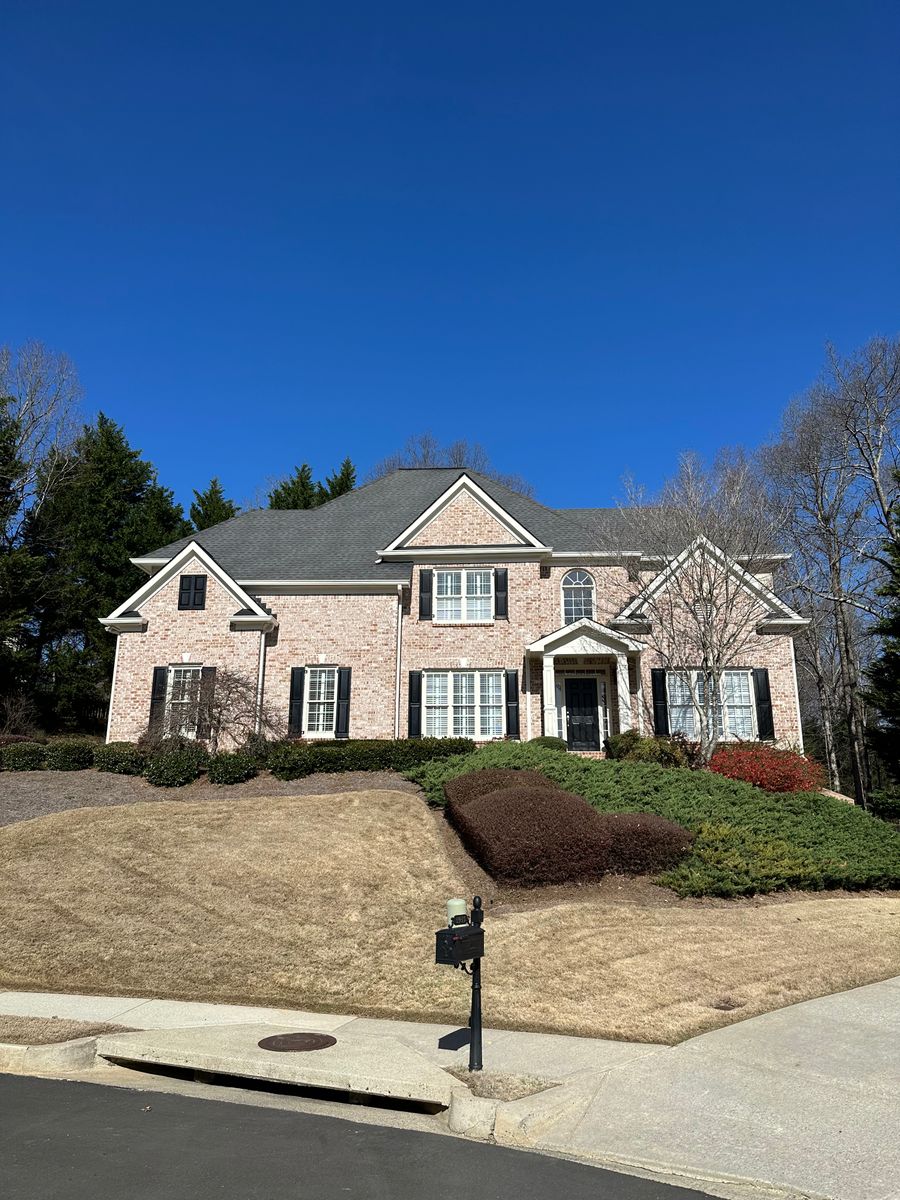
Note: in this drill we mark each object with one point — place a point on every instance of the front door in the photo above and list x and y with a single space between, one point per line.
582 718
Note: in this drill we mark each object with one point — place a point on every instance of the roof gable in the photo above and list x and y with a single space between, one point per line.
464 515
128 614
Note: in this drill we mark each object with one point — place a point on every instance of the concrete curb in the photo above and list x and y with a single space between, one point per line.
57 1056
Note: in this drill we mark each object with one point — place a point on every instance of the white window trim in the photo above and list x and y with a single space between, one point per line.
562 596
191 735
325 734
464 572
478 736
726 735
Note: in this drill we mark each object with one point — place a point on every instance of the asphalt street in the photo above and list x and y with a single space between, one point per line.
80 1141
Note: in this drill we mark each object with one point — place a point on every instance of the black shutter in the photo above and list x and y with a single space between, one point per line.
765 725
207 690
501 594
158 699
512 703
185 590
660 702
425 588
295 705
342 712
415 703
199 597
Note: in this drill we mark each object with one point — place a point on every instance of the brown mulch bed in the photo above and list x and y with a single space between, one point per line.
25 795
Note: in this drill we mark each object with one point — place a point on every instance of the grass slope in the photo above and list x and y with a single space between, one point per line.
330 902
748 841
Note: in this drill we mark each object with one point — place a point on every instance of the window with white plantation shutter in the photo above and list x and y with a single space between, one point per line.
321 693
732 708
463 597
464 704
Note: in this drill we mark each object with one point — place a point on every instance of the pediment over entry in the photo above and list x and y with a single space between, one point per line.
585 637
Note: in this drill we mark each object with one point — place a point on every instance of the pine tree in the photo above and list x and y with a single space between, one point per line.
344 480
297 491
884 674
111 508
211 507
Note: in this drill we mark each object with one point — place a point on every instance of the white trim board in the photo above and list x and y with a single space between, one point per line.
520 535
173 568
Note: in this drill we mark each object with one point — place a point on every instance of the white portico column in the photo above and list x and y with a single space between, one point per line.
622 688
550 716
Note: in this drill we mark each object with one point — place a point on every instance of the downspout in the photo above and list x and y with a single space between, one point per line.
528 696
112 688
397 659
260 679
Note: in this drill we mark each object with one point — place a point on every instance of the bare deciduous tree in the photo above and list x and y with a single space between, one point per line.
424 450
709 528
39 394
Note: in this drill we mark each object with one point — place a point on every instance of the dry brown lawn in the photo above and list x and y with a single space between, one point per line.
330 903
44 1031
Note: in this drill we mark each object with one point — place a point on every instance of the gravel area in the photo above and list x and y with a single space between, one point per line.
25 795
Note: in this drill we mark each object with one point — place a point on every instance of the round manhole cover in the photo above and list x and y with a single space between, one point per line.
297 1041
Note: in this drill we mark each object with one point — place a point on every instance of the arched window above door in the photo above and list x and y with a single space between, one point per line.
577 596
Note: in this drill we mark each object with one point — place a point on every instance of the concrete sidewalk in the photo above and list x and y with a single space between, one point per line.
804 1102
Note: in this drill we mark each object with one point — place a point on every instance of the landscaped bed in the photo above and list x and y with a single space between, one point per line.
330 902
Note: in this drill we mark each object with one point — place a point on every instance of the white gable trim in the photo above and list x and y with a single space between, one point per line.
168 572
560 641
464 484
780 611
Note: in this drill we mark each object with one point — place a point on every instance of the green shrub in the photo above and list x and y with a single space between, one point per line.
14 739
23 756
172 769
120 758
258 747
886 804
293 760
774 840
155 747
550 743
673 751
236 767
475 784
70 755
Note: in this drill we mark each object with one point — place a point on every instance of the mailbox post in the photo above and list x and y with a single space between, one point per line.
463 942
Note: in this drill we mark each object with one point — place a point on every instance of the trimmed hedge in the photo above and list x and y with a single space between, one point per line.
293 760
463 788
173 769
643 842
24 756
120 758
232 767
767 768
14 739
550 743
747 840
70 755
529 836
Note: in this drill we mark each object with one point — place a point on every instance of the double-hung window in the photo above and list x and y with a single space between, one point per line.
464 597
321 695
183 701
729 711
464 704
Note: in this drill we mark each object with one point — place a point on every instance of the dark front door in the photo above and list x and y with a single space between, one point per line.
582 718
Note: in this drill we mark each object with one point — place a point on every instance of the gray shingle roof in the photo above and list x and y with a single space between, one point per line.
341 539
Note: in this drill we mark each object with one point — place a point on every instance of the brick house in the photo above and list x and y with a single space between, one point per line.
432 602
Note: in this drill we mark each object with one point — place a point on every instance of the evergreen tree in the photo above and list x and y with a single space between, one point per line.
344 480
111 509
211 507
297 491
884 673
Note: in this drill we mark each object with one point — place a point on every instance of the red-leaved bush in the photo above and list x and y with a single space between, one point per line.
767 768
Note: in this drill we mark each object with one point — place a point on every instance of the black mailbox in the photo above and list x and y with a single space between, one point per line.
458 944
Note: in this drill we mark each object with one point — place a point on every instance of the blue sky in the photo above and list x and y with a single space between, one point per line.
586 235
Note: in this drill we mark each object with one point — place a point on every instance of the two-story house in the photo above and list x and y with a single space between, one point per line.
432 602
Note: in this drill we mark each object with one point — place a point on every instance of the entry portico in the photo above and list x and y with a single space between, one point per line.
583 665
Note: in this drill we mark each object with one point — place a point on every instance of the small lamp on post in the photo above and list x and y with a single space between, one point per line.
463 942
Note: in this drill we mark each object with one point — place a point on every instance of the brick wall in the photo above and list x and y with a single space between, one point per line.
464 522
174 636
